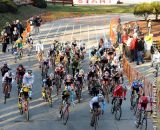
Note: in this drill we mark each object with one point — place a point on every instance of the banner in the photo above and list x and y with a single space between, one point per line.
94 2
148 41
113 28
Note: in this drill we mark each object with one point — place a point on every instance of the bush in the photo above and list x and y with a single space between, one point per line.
40 3
143 9
156 8
7 6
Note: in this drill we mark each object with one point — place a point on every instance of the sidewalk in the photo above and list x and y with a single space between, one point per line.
147 71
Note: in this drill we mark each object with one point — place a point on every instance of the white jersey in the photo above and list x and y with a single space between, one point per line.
93 100
39 47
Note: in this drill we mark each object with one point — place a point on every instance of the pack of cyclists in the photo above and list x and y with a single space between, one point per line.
104 77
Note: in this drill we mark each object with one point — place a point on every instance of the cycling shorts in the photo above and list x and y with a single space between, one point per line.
96 105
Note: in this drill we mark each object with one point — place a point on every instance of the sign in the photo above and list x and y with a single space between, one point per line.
95 2
148 41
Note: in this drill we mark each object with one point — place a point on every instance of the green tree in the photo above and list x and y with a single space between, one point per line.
143 9
156 9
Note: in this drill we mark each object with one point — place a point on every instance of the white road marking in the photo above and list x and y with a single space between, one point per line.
72 33
64 33
88 33
96 35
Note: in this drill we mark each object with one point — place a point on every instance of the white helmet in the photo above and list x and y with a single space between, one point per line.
100 97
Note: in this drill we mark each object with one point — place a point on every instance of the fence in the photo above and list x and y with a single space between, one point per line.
132 74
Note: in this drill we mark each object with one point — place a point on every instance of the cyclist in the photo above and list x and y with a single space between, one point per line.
39 51
45 67
75 63
69 86
92 74
8 79
28 80
120 92
19 75
137 86
59 70
79 77
47 85
4 69
19 45
20 72
95 104
105 84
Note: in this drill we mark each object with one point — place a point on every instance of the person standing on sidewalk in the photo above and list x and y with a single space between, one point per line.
132 49
140 50
149 26
119 31
37 22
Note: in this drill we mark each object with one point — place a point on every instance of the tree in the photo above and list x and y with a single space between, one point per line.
143 9
156 9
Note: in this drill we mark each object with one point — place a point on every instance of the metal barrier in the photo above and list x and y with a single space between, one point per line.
132 74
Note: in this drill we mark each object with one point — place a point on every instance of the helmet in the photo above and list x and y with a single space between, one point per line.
5 63
29 71
9 74
69 77
81 72
51 75
100 97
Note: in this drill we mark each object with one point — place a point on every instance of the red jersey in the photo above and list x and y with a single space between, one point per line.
119 92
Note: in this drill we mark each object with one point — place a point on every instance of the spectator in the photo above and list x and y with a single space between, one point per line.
124 40
132 49
128 28
19 27
5 42
101 43
37 22
119 32
149 26
130 38
136 28
140 50
8 31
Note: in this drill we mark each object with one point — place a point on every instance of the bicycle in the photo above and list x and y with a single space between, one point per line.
23 106
64 112
116 107
95 118
58 83
78 90
46 94
141 119
6 91
134 102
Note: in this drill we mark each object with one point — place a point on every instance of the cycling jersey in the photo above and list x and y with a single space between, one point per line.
95 102
119 92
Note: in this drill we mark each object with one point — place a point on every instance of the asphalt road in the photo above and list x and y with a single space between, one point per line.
89 30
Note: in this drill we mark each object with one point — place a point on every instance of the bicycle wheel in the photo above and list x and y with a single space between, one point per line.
27 115
144 124
113 107
138 118
95 122
65 116
118 112
5 98
50 102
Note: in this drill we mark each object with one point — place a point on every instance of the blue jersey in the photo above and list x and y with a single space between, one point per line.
137 84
